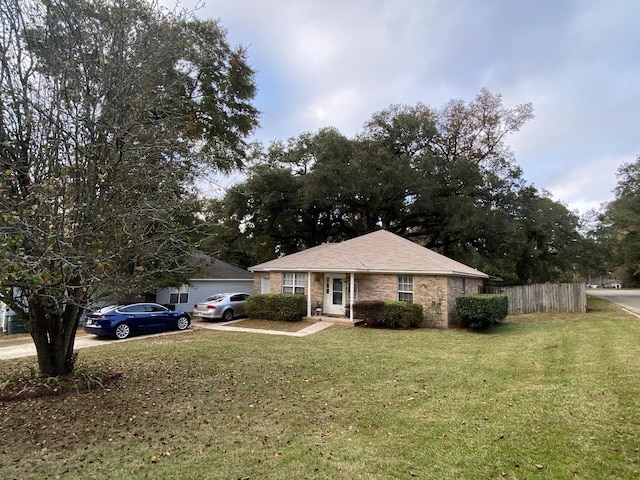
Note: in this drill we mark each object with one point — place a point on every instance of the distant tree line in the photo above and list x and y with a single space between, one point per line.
444 178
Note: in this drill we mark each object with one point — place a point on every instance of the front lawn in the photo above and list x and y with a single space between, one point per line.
279 325
540 396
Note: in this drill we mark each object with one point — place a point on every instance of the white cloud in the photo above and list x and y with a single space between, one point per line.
334 63
591 183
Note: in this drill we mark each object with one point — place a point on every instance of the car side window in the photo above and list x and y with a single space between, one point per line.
157 308
238 298
133 309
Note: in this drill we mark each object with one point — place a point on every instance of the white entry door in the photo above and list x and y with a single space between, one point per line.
334 294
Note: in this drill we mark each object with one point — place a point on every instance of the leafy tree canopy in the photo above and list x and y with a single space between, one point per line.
621 222
443 177
110 109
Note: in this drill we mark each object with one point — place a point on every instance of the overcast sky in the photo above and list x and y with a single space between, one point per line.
323 63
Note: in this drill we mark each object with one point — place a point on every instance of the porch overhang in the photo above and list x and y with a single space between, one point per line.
309 293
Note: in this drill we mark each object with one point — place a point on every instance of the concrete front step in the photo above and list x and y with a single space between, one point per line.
335 320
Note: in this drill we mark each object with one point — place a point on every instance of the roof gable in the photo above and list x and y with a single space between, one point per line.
211 268
380 252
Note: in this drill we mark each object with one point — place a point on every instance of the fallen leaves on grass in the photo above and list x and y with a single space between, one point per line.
32 385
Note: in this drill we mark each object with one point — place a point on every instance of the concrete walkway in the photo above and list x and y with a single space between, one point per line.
228 327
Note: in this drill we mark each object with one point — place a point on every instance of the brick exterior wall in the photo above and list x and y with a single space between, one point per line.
458 287
430 291
436 293
377 287
317 290
257 281
275 281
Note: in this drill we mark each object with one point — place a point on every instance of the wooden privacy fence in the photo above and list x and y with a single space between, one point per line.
544 297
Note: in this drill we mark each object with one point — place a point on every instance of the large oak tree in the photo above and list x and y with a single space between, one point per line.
444 177
110 110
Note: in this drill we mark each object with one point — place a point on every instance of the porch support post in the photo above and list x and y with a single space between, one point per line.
308 294
352 287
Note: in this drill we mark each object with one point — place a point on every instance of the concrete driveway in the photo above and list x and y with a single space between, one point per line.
28 349
627 299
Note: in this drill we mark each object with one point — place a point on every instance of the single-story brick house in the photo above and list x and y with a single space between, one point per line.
375 266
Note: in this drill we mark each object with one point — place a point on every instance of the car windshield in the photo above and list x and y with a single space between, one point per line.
94 307
215 298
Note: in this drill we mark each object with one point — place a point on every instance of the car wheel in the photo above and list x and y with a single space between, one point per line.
227 316
123 331
183 322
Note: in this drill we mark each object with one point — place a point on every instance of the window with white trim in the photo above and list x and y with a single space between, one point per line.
405 288
293 283
179 295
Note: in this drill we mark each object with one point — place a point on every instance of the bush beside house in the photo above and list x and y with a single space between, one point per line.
481 311
368 311
389 314
276 306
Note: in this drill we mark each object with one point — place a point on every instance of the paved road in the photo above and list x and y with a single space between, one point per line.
629 299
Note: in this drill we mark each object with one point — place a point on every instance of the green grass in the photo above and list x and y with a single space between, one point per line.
540 396
278 325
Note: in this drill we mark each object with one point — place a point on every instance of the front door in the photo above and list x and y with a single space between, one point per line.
334 294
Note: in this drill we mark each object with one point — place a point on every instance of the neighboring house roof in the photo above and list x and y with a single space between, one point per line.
377 252
209 268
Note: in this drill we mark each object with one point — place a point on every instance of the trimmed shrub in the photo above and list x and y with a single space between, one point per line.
389 314
481 311
276 306
368 310
397 314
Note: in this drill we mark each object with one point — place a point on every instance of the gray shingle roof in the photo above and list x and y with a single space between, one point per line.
209 268
377 252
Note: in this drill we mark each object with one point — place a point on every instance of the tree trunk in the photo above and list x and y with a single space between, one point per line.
54 338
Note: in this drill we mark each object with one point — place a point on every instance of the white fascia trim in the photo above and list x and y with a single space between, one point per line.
221 280
450 273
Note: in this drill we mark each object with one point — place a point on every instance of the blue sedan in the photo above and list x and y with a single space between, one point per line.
121 321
